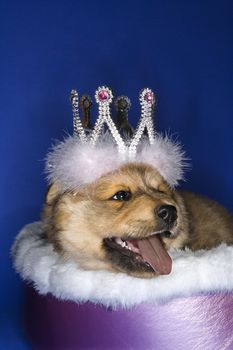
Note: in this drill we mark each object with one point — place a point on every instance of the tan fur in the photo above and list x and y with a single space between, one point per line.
210 223
77 222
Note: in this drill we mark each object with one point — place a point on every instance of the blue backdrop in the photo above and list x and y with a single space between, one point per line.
181 49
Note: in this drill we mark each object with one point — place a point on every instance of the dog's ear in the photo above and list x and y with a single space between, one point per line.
52 194
50 198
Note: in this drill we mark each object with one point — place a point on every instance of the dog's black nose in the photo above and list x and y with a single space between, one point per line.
168 213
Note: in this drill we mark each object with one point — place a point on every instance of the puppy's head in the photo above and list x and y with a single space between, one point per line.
125 221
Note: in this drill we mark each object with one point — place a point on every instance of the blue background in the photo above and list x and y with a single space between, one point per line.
181 49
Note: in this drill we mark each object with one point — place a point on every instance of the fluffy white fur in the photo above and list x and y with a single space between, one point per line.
71 163
203 271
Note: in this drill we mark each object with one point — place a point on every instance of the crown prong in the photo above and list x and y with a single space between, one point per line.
85 105
122 105
147 101
77 124
104 97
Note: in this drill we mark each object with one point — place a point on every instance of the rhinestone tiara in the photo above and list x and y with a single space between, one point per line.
94 151
104 99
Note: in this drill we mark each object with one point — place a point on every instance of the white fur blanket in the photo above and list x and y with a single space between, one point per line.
192 273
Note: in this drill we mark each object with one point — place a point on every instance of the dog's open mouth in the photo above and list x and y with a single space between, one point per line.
142 255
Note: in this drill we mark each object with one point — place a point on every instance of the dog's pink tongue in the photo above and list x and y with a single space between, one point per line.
155 254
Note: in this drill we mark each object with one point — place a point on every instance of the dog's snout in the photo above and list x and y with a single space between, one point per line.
168 213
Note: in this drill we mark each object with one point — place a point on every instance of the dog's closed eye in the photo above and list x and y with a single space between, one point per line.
122 196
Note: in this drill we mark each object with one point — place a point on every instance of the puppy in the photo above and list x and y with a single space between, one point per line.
128 219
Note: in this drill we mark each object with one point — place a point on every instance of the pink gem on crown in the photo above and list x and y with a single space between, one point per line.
149 97
103 95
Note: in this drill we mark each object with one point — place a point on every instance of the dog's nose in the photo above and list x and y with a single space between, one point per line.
168 213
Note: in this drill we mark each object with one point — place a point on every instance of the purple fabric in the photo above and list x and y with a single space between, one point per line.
202 322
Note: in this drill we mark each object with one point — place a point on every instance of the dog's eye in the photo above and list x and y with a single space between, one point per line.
159 191
122 196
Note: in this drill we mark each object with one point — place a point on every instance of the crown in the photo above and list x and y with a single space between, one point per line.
93 152
104 98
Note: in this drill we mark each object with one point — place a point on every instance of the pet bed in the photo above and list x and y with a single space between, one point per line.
70 308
